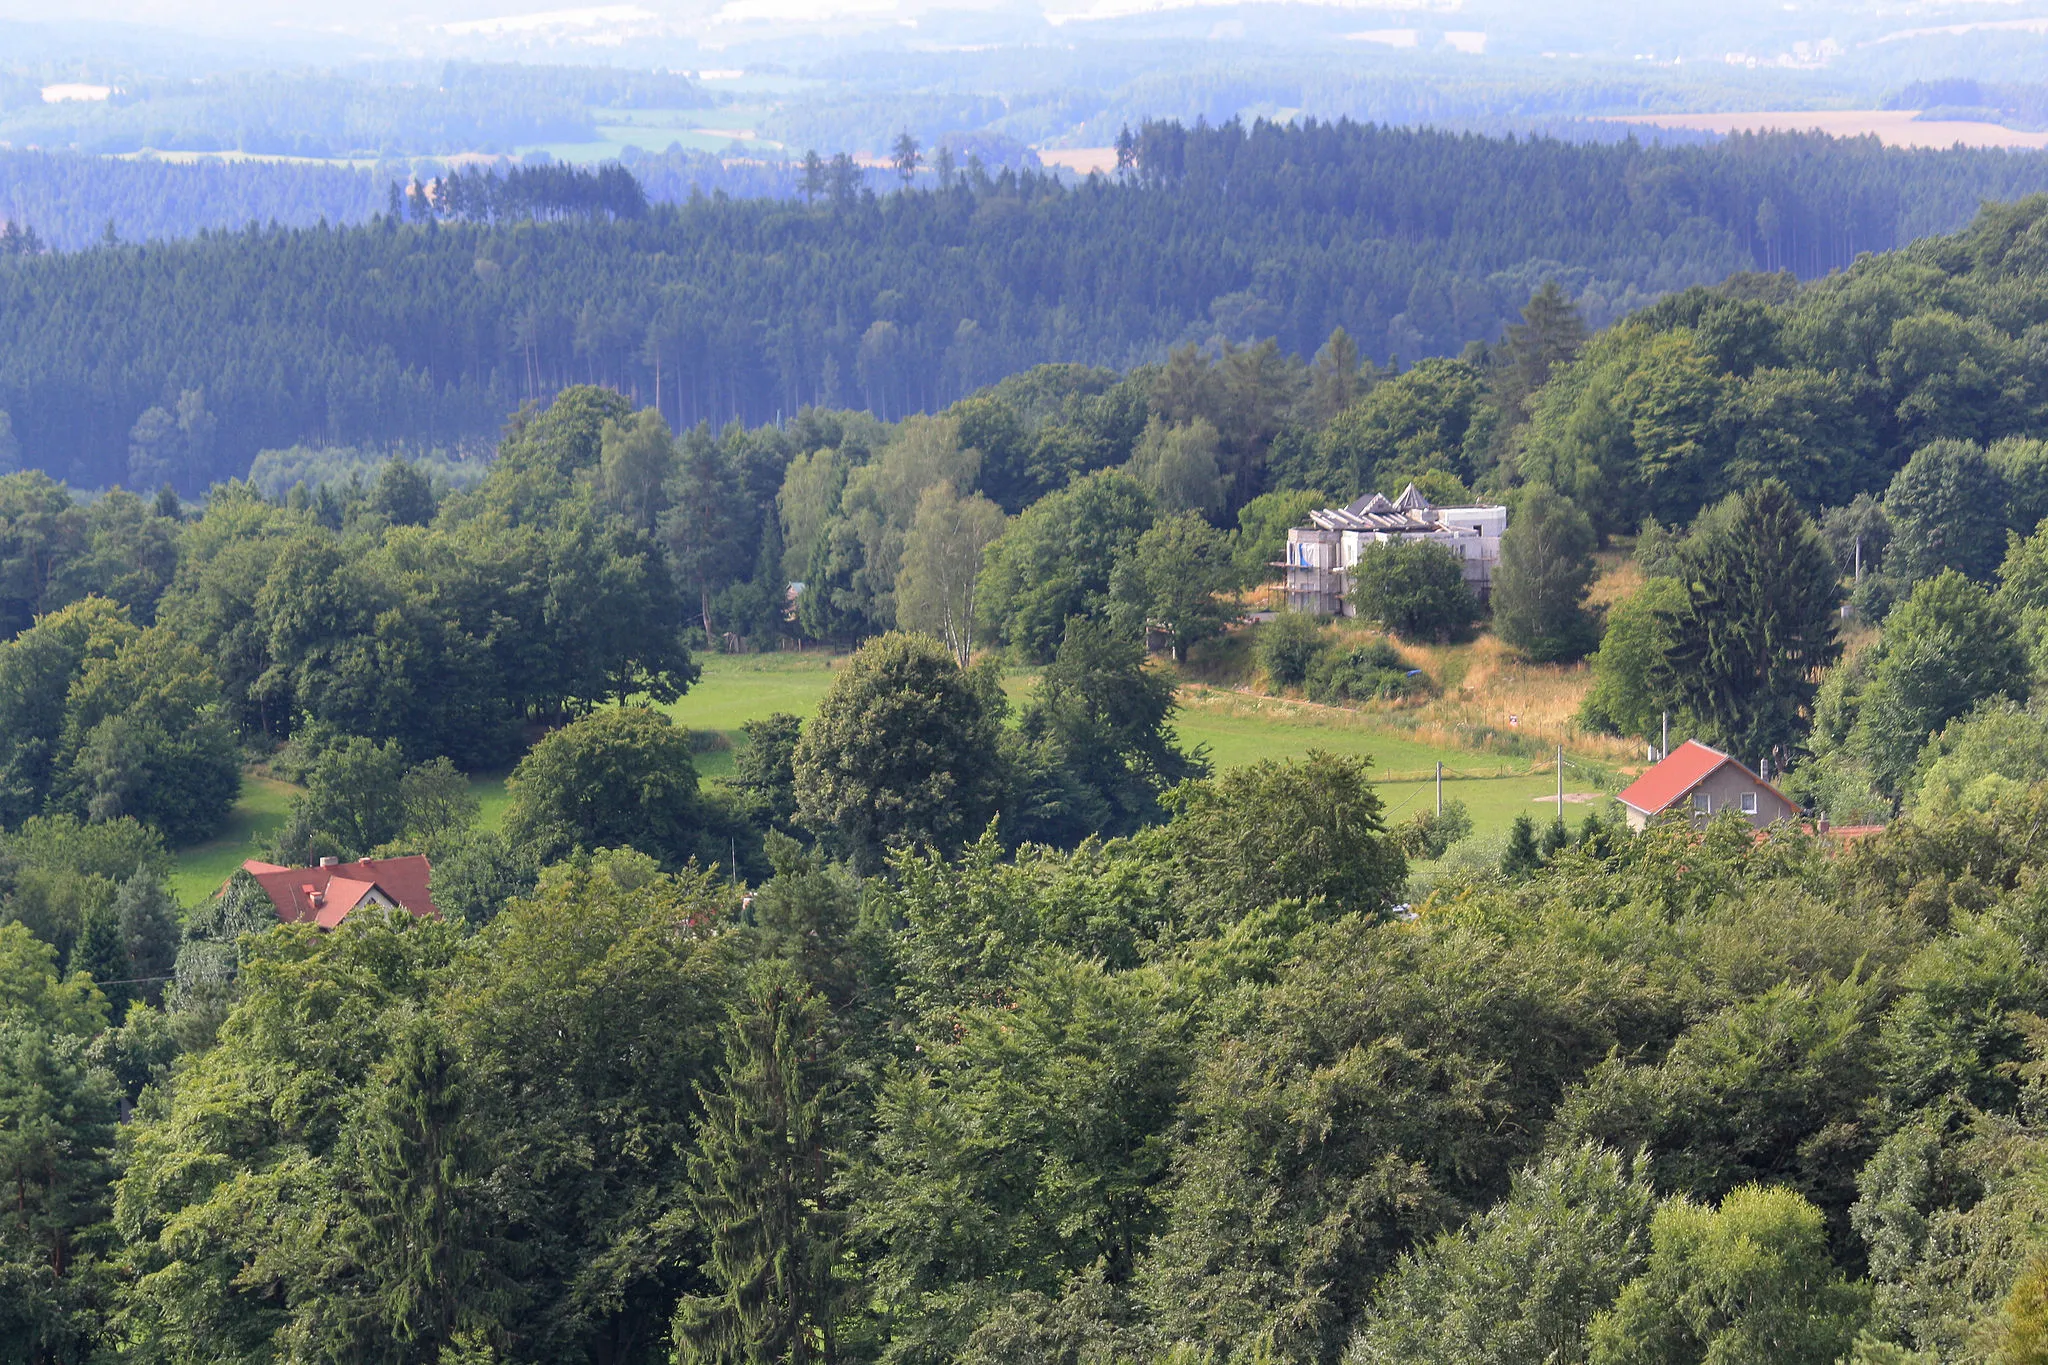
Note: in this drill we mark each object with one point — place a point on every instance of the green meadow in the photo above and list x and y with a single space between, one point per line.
1235 728
257 814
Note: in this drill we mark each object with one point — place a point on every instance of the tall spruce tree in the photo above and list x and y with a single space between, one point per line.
415 1226
760 1185
1549 337
1757 625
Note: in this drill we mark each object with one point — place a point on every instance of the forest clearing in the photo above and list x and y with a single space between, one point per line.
1494 730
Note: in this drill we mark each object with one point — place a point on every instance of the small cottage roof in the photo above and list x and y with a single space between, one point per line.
1690 764
326 894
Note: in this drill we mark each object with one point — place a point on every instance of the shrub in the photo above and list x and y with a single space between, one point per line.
1288 646
1426 835
1370 672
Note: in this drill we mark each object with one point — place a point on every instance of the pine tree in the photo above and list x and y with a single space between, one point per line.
1758 624
760 1183
56 1138
1549 337
414 1224
1522 856
1334 378
905 156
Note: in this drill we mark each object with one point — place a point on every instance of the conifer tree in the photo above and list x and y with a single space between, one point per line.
760 1187
1549 337
1758 623
414 1225
1522 856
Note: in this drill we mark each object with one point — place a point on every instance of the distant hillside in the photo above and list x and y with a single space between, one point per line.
420 333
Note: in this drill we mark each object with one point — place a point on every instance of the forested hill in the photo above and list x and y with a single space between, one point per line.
200 353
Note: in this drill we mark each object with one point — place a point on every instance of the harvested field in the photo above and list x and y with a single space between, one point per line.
1893 127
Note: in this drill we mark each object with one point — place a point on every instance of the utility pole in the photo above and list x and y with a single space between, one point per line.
1439 789
1664 748
1560 784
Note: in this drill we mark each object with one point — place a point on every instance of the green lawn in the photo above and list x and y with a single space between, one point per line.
1495 802
1237 729
491 798
257 814
743 687
1240 729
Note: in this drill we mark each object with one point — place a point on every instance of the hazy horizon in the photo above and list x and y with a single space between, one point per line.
1768 33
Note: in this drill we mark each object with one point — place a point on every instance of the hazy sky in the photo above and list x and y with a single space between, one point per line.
1777 32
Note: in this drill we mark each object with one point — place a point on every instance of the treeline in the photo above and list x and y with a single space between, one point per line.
526 193
2015 105
1139 74
722 310
69 201
370 112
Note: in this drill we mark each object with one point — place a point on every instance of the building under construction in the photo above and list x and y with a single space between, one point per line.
1321 555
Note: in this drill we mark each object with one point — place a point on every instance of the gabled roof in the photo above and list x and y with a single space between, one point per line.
325 895
1690 764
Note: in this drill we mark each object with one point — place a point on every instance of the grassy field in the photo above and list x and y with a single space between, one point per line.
737 688
257 814
491 798
1498 772
1499 768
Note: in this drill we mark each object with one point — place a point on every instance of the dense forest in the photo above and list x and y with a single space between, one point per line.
70 202
961 1028
1171 1098
1028 1038
1415 242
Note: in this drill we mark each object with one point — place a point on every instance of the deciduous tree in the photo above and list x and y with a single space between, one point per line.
1546 569
618 778
1414 588
943 556
901 754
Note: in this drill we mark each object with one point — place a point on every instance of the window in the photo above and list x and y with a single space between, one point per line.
1703 803
1749 803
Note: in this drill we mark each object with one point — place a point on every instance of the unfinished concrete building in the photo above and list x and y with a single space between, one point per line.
1321 555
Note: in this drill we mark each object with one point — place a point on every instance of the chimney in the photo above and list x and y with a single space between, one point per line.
330 862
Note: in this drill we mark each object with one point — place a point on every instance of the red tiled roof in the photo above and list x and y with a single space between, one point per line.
325 895
1690 764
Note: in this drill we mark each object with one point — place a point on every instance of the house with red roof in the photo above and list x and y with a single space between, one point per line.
327 894
1707 782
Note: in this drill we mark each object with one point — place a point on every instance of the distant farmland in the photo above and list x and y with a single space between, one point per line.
1893 127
